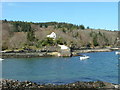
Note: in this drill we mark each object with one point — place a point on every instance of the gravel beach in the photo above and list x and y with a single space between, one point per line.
7 84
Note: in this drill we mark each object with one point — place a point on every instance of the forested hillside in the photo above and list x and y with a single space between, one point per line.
19 34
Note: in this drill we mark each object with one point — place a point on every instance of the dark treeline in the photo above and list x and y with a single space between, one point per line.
21 26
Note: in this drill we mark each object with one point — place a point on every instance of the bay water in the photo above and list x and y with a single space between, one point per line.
101 66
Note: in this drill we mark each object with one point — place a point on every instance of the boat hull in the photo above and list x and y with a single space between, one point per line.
117 53
84 58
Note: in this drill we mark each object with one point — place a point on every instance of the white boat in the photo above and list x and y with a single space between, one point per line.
117 53
84 57
1 59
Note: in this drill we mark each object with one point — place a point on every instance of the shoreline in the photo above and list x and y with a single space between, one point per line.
8 84
51 54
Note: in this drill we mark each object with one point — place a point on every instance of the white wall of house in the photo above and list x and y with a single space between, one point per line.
52 35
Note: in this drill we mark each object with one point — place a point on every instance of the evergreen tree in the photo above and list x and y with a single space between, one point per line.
30 35
95 41
16 27
46 26
5 20
82 27
88 27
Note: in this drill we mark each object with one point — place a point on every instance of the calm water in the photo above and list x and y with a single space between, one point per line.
101 66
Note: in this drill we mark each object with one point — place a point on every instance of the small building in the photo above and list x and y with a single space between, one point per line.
52 35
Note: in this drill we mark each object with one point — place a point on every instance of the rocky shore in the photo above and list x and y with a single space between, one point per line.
24 55
65 53
92 50
6 84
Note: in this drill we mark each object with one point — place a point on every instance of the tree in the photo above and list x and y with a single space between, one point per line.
40 25
95 41
21 26
50 41
26 27
5 20
88 45
82 27
16 27
60 41
100 33
30 35
58 26
63 29
46 41
46 26
88 27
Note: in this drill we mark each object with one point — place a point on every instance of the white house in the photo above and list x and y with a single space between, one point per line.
52 35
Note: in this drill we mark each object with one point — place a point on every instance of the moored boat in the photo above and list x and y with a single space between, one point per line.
117 53
1 59
84 57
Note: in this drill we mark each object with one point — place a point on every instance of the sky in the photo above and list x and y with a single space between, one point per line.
97 15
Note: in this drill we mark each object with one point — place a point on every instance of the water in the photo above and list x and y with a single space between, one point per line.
101 66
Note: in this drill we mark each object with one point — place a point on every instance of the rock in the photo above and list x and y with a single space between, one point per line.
65 53
13 84
117 86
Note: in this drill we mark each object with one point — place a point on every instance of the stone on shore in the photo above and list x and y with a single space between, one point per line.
96 85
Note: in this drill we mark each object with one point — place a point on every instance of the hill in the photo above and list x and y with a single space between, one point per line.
19 34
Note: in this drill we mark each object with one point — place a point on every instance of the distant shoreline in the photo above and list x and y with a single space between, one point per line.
96 50
49 54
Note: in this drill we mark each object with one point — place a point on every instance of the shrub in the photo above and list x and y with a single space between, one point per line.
59 41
